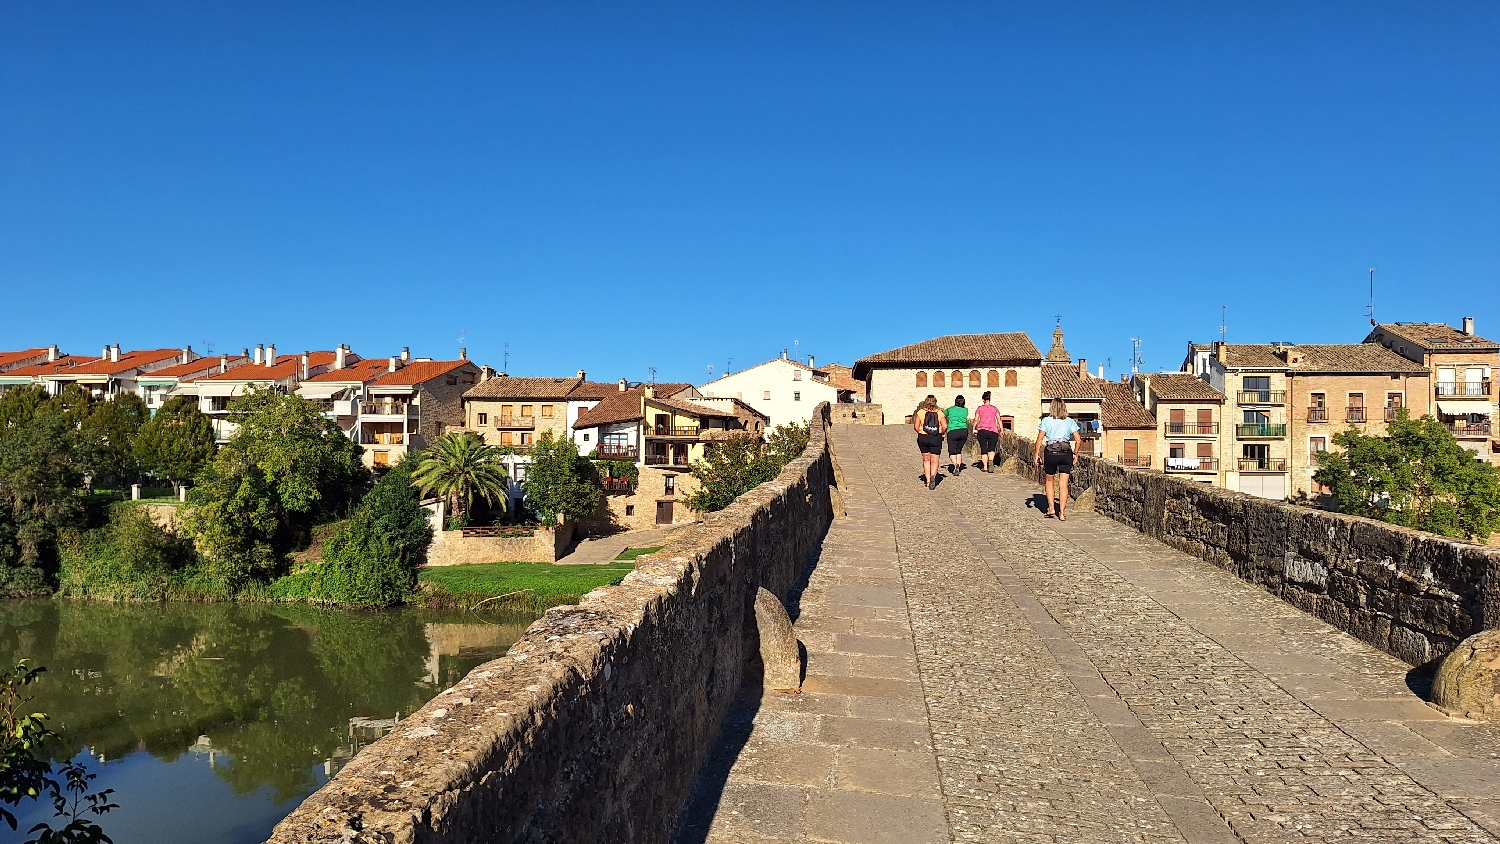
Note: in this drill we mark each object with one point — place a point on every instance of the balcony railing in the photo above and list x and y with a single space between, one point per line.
1262 464
1192 429
666 460
1190 464
1391 412
1449 389
1253 431
1355 414
1481 429
383 408
616 486
1262 397
1139 461
379 438
525 423
616 452
669 431
1317 414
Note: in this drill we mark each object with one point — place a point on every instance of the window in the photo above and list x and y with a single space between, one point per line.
1314 446
1393 400
1256 417
767 396
921 379
630 509
992 378
526 410
1175 422
669 485
1205 420
1356 399
507 411
1007 423
974 378
1205 450
1010 378
796 375
585 437
518 474
507 438
796 397
1176 450
546 411
956 380
451 380
939 379
1318 401
484 419
525 439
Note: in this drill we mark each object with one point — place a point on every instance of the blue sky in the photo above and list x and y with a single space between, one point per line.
622 186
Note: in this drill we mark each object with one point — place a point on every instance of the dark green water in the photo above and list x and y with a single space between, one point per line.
212 722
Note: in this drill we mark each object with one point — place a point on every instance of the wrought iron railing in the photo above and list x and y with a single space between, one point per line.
1262 397
1140 461
1192 429
1262 464
1481 429
1317 414
1356 414
666 460
616 452
669 431
1462 388
1259 430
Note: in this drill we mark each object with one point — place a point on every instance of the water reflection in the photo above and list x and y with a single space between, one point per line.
262 703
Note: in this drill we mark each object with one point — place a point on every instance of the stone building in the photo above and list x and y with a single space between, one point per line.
1462 365
1254 440
1188 412
1129 430
1009 365
784 390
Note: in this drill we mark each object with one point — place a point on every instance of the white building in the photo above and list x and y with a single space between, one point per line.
783 389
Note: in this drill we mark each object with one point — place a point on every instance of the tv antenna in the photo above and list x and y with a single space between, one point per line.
1135 356
208 347
505 365
710 372
727 366
653 373
1370 309
1223 323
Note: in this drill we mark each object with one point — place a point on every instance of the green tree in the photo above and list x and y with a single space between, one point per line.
559 482
1417 476
39 479
742 461
19 404
106 436
459 466
177 443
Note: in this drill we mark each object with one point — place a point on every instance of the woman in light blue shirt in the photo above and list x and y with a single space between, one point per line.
1057 442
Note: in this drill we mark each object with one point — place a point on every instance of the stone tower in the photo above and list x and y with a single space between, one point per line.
1058 354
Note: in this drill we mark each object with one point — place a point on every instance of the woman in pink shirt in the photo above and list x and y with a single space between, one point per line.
987 431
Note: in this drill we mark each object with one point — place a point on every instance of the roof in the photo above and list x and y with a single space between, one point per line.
842 378
960 349
193 367
359 371
1438 337
1252 356
66 362
691 408
1350 357
513 387
7 358
1121 409
89 365
1183 386
419 372
1064 382
287 366
620 407
593 390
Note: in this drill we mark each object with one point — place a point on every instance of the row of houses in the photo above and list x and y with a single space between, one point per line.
1244 416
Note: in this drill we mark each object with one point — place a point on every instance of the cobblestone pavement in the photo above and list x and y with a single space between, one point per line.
979 673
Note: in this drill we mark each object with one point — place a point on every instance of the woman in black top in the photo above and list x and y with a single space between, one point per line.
930 426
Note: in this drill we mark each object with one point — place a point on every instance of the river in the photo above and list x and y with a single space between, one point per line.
213 721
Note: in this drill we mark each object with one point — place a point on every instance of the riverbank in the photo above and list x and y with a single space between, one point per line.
521 587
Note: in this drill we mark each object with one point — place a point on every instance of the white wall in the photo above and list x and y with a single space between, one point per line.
897 392
779 378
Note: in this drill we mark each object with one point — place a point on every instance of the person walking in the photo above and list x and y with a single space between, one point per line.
958 434
1057 442
987 432
930 424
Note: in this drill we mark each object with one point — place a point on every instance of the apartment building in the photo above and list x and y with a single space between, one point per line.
784 390
173 381
265 369
112 373
1129 430
1462 366
1084 396
1254 441
1009 365
1188 412
24 359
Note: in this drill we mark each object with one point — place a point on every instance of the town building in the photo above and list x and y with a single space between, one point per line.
173 381
1009 365
784 390
1188 412
1112 422
842 379
1254 441
112 373
1462 366
265 369
1129 430
27 357
1084 396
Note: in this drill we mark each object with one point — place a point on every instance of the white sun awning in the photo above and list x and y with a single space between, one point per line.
1464 408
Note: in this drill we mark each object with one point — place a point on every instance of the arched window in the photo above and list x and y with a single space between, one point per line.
921 379
974 378
992 378
938 380
1010 378
958 379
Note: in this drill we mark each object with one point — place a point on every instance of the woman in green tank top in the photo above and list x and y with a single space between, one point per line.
958 434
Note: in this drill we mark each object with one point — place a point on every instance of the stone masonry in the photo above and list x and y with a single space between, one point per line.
977 673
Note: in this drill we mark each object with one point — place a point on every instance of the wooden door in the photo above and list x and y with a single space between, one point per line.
1176 418
1205 420
1132 449
664 512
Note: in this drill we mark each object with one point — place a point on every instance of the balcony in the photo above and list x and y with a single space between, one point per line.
616 486
667 460
516 423
1262 464
1190 429
1355 414
1317 414
1462 389
384 408
1481 429
1262 397
1269 431
1139 461
1391 412
669 431
381 438
1190 464
616 452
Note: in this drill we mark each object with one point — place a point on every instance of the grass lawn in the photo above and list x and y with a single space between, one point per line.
544 584
632 553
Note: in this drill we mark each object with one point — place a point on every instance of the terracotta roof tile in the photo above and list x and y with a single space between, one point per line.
1121 410
1350 357
359 371
64 363
419 372
515 387
1438 336
8 358
1253 356
196 367
592 390
1063 382
134 359
956 349
690 408
1183 386
287 366
620 407
842 378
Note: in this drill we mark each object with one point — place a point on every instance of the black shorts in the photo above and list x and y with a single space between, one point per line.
956 440
930 443
1058 462
988 441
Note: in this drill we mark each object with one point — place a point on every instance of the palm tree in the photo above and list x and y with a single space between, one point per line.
458 466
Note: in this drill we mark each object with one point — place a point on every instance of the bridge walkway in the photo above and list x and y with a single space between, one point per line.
977 673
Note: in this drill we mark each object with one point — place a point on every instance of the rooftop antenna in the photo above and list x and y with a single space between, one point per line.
1224 323
797 350
727 366
710 372
1109 365
1135 356
1370 309
653 373
505 366
463 334
208 346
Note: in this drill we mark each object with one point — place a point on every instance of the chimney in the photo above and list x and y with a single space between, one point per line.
463 353
270 354
810 362
1083 369
114 353
306 363
1101 372
391 367
650 391
104 355
340 356
259 353
623 386
1221 353
582 376
486 373
405 353
224 363
187 354
52 354
783 354
1469 326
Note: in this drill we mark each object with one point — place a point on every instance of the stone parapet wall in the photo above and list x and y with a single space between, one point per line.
546 545
593 727
1411 594
857 413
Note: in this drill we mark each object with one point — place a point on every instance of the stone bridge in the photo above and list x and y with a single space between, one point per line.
978 673
974 673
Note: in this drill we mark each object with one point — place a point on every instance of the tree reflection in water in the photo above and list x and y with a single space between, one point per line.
273 688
